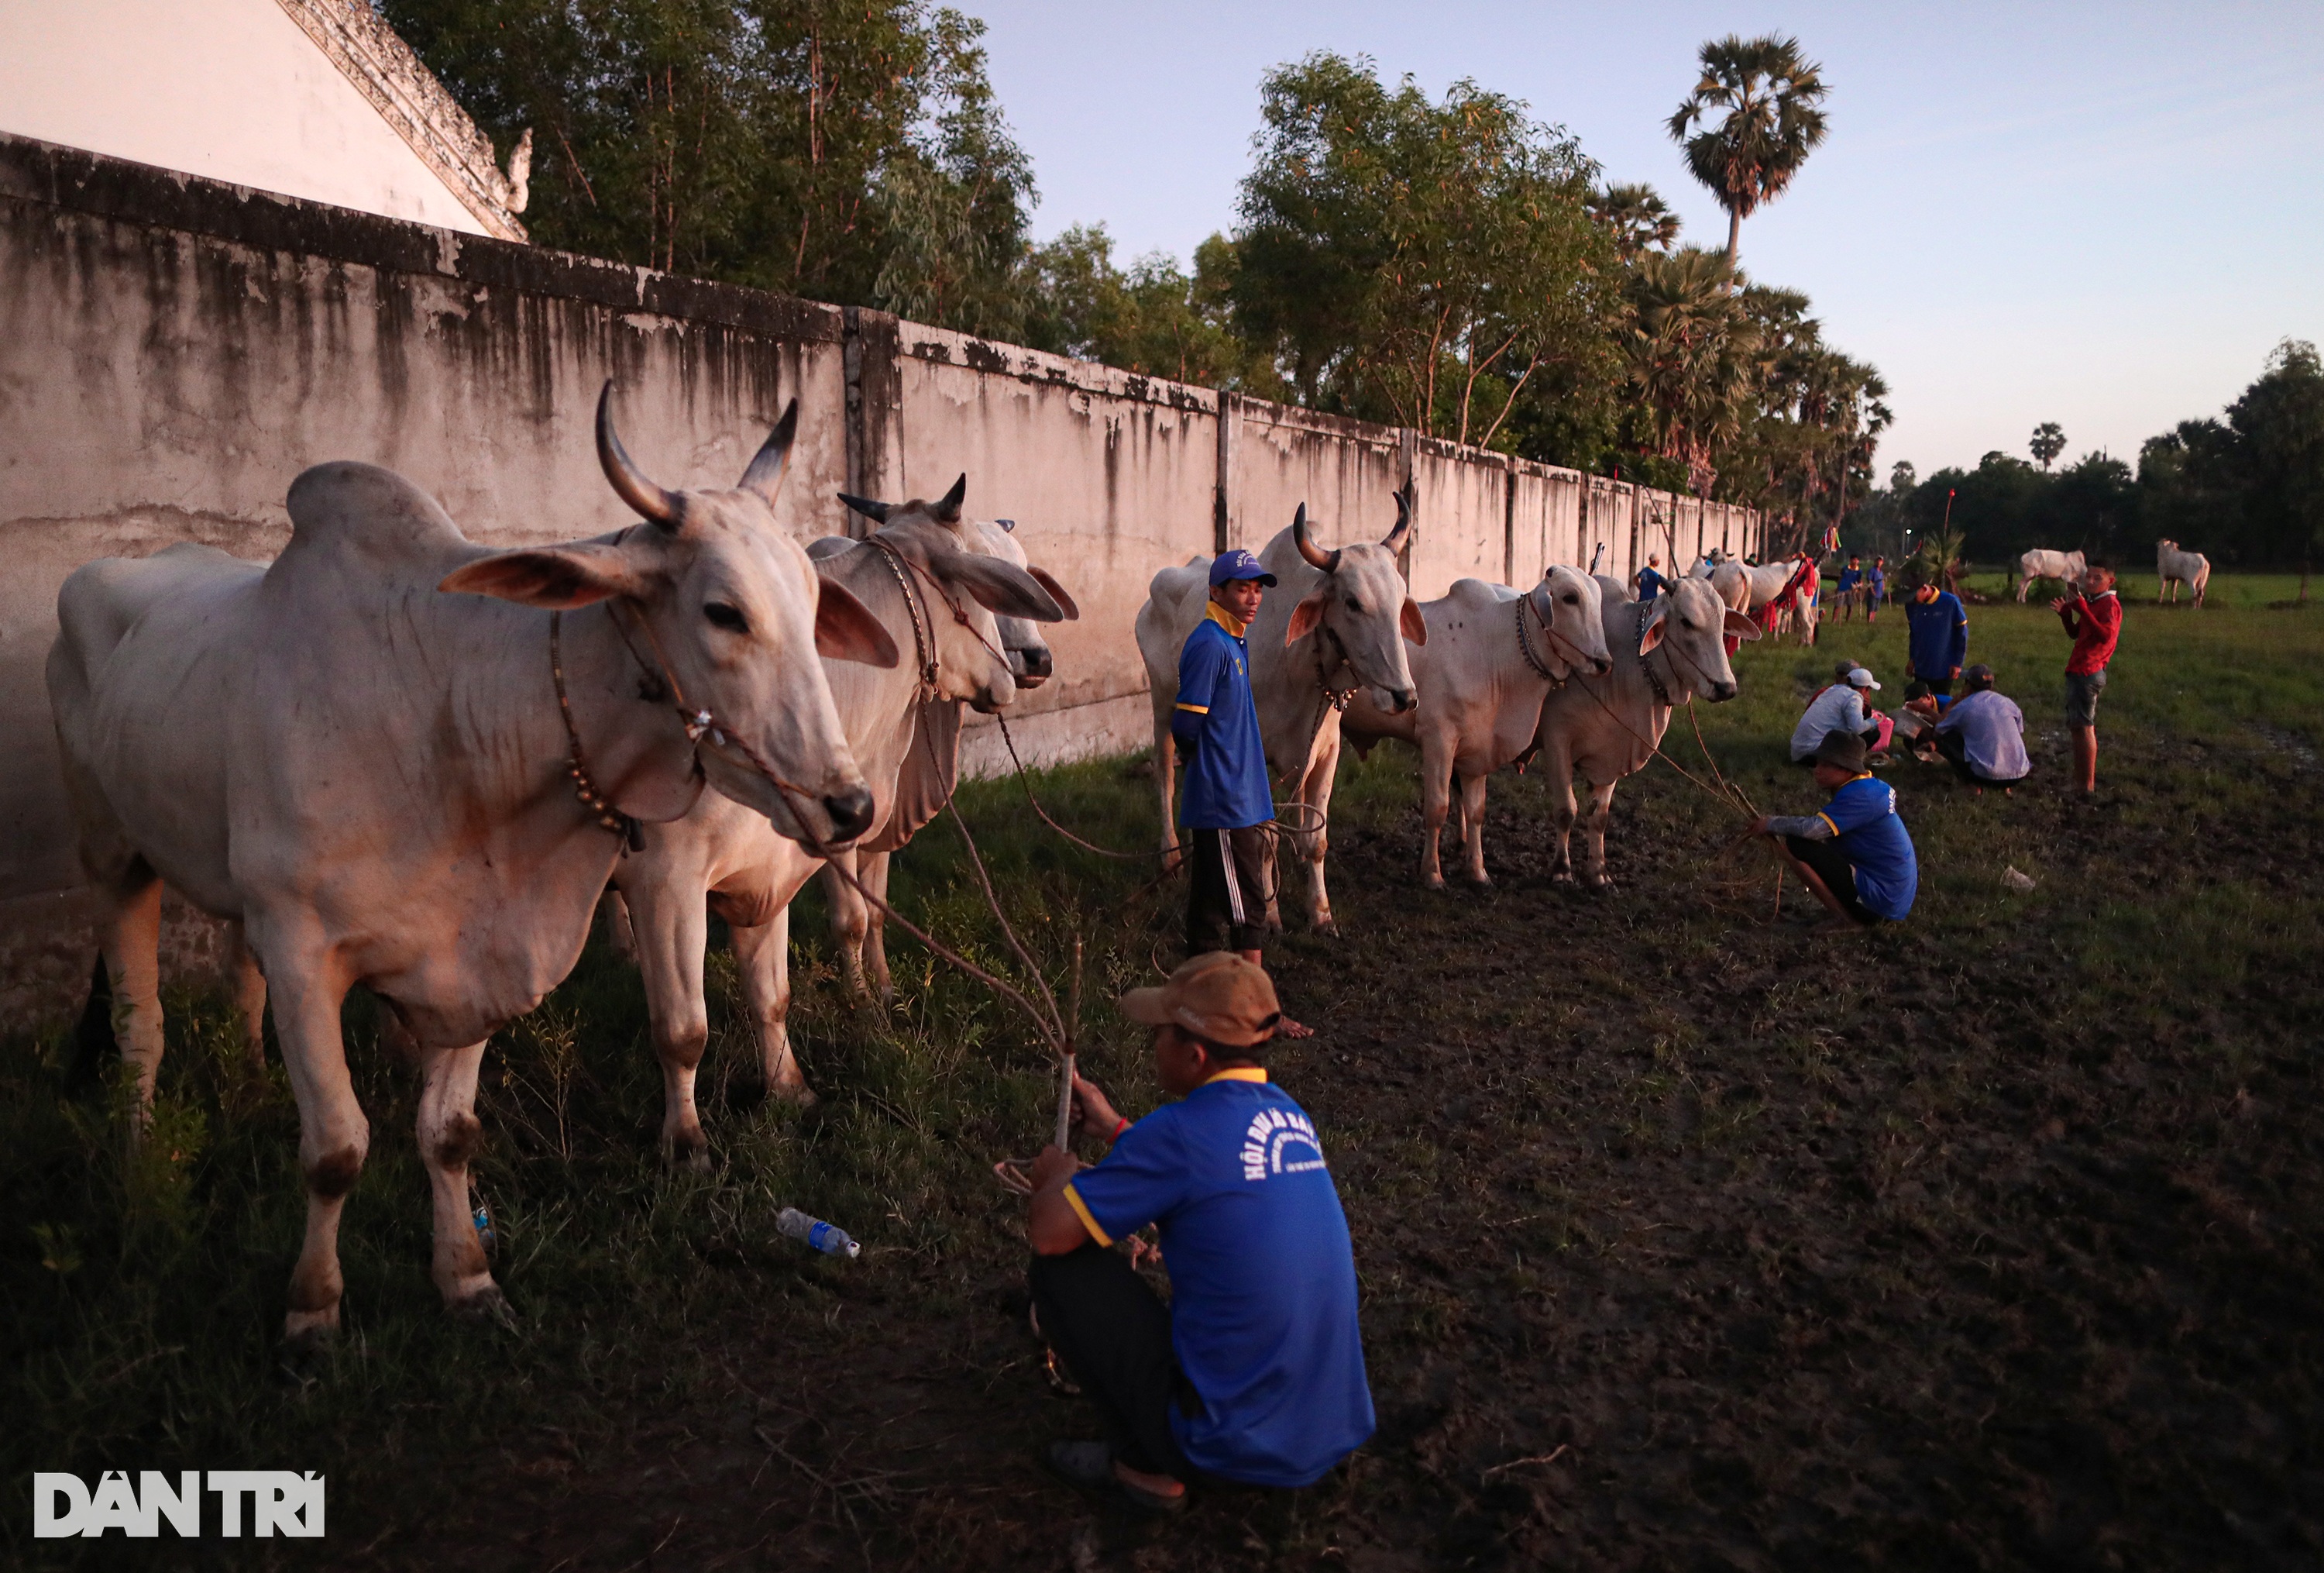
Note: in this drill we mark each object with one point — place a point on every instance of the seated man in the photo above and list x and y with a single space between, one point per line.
1855 855
1983 732
1846 707
1255 1372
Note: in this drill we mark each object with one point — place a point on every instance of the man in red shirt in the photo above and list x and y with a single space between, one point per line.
2094 618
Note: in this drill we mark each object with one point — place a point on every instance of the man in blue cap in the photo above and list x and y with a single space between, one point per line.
1228 802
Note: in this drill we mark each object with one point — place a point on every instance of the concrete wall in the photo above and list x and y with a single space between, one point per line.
173 352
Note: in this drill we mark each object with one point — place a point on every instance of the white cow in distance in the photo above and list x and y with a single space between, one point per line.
1748 587
361 756
2174 567
1336 620
2066 567
1665 651
1492 656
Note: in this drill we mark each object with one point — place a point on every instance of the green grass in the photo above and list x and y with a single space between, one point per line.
141 1302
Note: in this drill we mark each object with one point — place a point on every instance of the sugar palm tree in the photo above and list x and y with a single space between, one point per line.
2049 442
1692 353
1750 122
1638 217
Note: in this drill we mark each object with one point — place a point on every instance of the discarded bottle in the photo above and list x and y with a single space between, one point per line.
485 1236
828 1238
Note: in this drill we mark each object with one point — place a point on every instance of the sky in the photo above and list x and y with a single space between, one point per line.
2101 215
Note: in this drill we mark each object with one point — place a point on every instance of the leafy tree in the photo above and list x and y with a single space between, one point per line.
1690 351
1901 477
1423 263
1766 99
2279 423
2049 442
1636 219
1153 319
850 154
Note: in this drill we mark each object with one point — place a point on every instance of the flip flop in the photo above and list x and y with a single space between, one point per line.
1088 1467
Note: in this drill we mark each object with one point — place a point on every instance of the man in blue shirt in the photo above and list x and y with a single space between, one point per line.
1851 580
1855 855
1648 581
1938 638
1227 801
1875 596
1255 1371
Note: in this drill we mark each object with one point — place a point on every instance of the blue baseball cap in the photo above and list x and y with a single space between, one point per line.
1239 564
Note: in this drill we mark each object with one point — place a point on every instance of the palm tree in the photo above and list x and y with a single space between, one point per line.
1766 96
1692 354
1638 217
2049 442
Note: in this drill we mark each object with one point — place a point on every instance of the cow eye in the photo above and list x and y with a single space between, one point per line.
728 617
1355 605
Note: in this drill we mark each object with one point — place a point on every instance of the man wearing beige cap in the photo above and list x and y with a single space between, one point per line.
1255 1371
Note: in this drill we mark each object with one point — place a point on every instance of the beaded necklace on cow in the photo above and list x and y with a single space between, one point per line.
1662 694
1549 631
585 786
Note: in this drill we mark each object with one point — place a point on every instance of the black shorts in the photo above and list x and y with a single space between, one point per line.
1831 867
2083 691
1114 1334
1226 894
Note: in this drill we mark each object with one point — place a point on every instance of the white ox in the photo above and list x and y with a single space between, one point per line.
371 778
2174 568
1665 650
903 726
1336 622
1746 587
1492 656
2041 563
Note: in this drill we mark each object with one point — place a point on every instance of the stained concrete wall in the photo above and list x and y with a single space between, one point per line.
173 352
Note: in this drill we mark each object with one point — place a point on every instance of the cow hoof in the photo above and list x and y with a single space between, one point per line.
1434 881
1599 882
487 1304
1561 876
798 1094
306 1336
1482 880
687 1157
1330 930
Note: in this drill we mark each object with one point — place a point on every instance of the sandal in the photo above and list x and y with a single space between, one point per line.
1088 1467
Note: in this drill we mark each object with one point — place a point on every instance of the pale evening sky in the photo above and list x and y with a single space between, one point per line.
2104 215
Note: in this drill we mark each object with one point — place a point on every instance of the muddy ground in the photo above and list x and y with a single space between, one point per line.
1689 1238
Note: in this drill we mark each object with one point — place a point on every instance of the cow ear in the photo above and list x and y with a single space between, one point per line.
556 578
1305 616
1658 620
997 586
1739 626
1056 591
1415 626
845 629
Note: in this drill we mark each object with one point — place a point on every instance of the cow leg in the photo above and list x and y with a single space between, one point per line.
1165 783
762 956
875 927
1434 795
1472 825
1601 808
850 921
620 933
672 928
249 994
129 934
1315 791
449 1136
1560 770
334 1137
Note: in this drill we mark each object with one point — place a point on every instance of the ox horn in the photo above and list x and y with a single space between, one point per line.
947 508
765 476
875 512
1394 540
666 509
1328 562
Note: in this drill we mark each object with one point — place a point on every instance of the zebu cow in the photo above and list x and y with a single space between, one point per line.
903 726
374 779
1746 587
1331 626
2041 563
858 928
1492 656
2174 568
1665 651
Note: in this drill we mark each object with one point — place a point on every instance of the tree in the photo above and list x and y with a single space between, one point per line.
1636 219
1901 477
1690 348
848 153
1154 319
2049 442
1767 99
1423 263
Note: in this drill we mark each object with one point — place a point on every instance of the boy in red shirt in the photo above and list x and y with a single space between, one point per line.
2094 618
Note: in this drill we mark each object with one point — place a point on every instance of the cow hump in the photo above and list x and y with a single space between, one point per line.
362 511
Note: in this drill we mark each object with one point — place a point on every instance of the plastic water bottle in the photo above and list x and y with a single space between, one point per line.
828 1238
485 1236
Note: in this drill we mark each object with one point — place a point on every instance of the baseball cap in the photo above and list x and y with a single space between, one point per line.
1844 750
1239 564
1858 677
1216 996
1980 676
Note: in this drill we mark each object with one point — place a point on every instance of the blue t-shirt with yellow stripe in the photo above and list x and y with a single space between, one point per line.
1863 815
1226 780
1262 1275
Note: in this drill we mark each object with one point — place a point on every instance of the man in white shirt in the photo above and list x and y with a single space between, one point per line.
1983 735
1845 707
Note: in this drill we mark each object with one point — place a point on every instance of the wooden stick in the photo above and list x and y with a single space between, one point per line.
1072 1036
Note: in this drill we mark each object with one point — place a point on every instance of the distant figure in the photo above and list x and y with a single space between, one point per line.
1648 581
1983 732
2094 618
1938 642
1845 707
1855 855
1850 587
1875 588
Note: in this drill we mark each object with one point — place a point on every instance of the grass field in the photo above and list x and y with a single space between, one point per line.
1687 1236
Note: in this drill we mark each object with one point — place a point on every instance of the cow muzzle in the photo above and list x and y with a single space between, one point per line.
1722 692
1030 668
1399 701
850 811
1601 665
